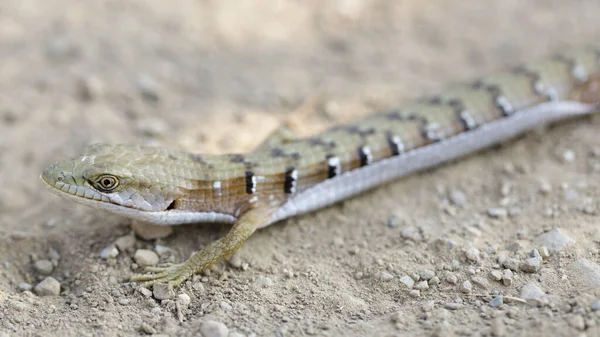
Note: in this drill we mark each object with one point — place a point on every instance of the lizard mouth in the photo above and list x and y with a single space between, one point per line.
79 193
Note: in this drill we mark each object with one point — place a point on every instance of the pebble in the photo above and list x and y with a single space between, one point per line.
385 276
407 281
555 241
434 281
414 293
426 274
457 197
411 233
396 317
225 306
145 291
532 264
453 306
90 88
497 301
544 252
545 187
452 279
44 267
422 286
497 213
495 275
48 287
595 305
109 252
163 291
428 306
125 242
472 254
149 231
466 287
24 286
576 321
214 329
145 257
568 156
148 88
480 281
532 294
507 277
263 281
184 300
587 271
511 263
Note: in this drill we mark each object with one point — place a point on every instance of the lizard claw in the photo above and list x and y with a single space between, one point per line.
172 274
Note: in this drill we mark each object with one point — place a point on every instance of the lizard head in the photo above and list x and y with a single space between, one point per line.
121 178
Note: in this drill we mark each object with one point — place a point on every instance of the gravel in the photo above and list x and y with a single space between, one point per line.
163 291
109 252
472 254
407 281
532 293
497 301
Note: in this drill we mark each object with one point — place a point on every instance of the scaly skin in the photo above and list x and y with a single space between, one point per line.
284 178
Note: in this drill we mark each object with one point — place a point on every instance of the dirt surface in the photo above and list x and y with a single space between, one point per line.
428 255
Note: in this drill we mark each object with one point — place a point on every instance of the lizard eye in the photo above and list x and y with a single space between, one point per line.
107 182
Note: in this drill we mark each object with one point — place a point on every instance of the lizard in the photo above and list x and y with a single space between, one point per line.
287 175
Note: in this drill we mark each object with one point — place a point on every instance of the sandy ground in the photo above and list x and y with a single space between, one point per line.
217 76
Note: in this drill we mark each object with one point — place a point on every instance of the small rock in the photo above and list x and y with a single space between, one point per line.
184 300
587 271
452 279
472 254
90 88
480 282
411 233
495 275
148 88
497 301
145 257
457 197
263 281
497 213
407 281
422 286
24 286
149 231
48 287
109 252
453 306
125 242
426 274
532 294
434 281
44 267
225 306
414 293
568 156
595 305
507 277
544 252
576 321
396 317
163 291
145 291
556 240
214 329
385 277
428 306
532 264
545 187
511 263
466 287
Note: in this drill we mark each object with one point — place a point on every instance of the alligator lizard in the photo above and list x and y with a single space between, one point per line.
296 175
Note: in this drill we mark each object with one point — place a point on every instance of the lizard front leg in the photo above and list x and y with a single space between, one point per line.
211 254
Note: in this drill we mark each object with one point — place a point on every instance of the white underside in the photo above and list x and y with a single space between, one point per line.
356 181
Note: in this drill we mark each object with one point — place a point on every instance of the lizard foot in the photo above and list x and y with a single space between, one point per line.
173 274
